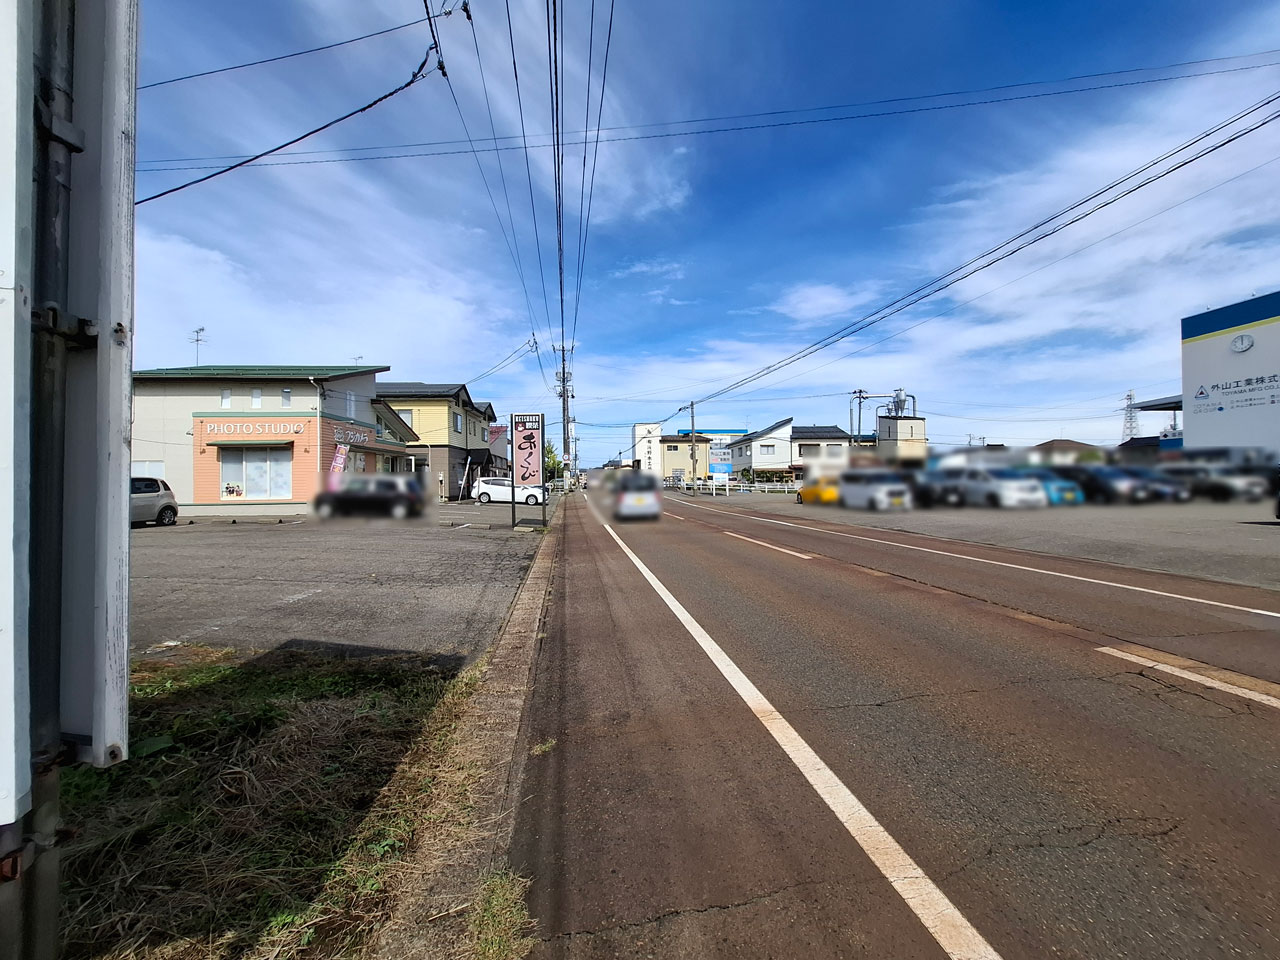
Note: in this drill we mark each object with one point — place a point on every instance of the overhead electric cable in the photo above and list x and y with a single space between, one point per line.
728 129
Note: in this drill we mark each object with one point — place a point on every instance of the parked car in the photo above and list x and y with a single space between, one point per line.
1219 483
501 490
1103 484
1003 487
1162 486
1058 489
152 501
932 488
371 494
819 490
874 490
639 495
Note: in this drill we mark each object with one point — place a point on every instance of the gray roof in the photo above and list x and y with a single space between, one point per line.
819 433
252 372
762 433
408 388
1161 403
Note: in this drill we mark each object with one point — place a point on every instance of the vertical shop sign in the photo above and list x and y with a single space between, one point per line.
526 438
339 458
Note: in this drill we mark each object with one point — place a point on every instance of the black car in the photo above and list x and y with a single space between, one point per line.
1162 486
935 488
371 494
1103 484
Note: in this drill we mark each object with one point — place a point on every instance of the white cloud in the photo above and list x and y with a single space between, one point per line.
808 302
653 268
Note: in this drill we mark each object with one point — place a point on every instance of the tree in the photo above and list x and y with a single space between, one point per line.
551 464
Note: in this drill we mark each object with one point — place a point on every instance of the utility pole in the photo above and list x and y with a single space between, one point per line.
693 447
197 337
564 390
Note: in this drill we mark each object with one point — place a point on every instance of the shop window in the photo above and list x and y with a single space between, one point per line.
256 473
286 398
255 398
226 398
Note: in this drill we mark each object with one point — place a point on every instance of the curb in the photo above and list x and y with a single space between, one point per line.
432 921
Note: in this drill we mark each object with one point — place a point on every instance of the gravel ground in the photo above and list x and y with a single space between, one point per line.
1233 542
375 585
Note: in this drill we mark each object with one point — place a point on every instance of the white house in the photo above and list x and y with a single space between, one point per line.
764 450
799 450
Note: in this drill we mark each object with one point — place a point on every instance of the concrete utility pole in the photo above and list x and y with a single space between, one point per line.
67 79
693 447
564 390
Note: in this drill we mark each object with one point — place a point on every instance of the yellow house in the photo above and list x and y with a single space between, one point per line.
452 429
675 456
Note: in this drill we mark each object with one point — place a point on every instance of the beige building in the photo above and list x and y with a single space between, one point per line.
452 429
675 456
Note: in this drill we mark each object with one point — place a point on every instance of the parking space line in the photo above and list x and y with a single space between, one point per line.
802 556
1194 677
675 516
998 563
958 938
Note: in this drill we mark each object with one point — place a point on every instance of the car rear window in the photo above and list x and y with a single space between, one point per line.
637 482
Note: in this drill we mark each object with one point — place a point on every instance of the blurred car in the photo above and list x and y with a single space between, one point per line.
1003 487
370 494
1058 489
932 488
819 490
1102 484
1219 483
1162 486
638 496
152 501
874 490
502 489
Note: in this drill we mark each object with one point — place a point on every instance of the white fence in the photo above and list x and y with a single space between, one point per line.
718 487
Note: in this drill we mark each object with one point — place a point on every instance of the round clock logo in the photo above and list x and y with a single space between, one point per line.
1241 342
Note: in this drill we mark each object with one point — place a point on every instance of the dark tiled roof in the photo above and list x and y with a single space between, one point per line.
213 372
407 388
819 433
684 438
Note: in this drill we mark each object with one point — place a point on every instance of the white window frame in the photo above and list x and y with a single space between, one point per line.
225 401
286 398
768 449
255 398
457 423
407 416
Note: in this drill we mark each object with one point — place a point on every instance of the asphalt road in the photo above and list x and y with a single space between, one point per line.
811 739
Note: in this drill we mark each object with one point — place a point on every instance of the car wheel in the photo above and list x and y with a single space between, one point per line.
484 498
531 500
167 517
993 500
324 510
399 510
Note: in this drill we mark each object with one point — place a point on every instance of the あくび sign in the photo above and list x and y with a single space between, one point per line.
526 448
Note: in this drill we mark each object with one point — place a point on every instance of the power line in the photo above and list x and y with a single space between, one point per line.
526 347
938 284
417 75
285 56
795 110
751 126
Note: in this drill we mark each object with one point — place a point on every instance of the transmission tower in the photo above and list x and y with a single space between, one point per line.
1130 418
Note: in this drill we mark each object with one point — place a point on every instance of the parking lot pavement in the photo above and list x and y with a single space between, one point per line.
1235 542
379 584
456 513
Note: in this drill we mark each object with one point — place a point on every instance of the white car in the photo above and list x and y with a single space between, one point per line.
501 489
639 495
1000 487
1218 482
874 490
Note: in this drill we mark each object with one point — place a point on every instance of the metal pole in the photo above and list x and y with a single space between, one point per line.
693 447
861 395
545 488
511 459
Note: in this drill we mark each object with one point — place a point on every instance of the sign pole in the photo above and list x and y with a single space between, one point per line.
511 459
545 488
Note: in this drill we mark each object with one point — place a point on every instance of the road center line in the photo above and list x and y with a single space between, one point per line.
1194 677
802 556
996 563
954 934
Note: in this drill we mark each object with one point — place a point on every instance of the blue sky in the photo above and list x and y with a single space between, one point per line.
712 255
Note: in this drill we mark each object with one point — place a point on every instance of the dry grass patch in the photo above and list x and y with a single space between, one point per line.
266 810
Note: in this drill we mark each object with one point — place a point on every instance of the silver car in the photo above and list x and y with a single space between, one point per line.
152 501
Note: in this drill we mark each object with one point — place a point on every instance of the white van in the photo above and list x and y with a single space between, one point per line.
874 490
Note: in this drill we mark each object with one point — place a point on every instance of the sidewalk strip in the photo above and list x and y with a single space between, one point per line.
1194 677
996 563
954 934
802 556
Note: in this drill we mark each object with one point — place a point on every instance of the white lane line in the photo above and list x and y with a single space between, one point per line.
802 556
674 516
998 563
1194 677
954 934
